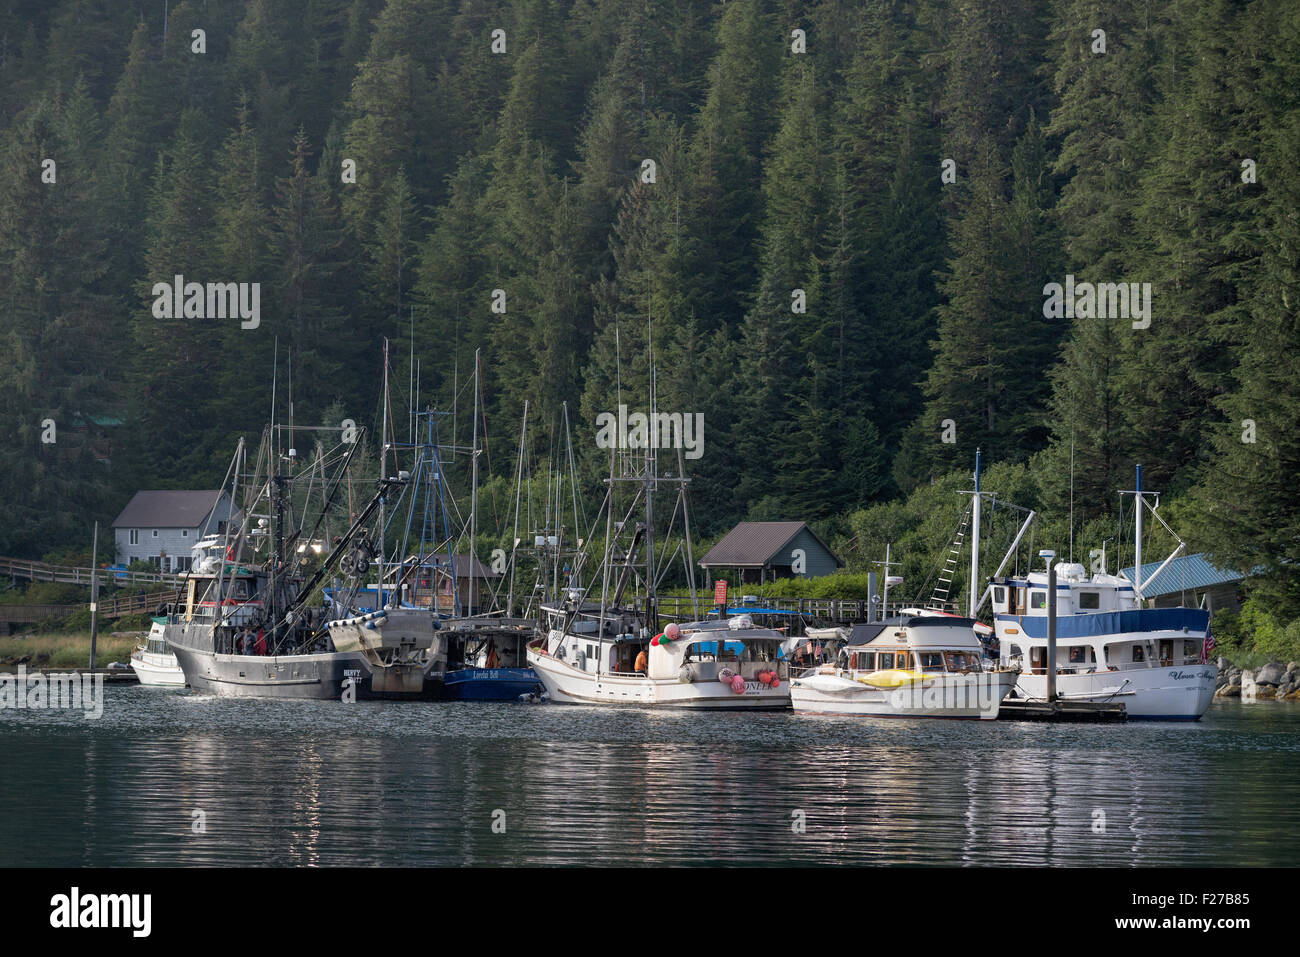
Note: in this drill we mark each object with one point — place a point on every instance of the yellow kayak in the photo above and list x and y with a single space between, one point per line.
891 678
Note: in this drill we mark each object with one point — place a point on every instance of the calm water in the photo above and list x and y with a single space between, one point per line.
289 783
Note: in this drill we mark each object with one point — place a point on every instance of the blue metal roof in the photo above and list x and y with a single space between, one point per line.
1185 573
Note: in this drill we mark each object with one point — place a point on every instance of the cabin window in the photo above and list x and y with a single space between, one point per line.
885 660
999 595
1139 654
1089 599
1191 653
1166 652
1038 599
931 661
866 661
958 661
1076 655
1014 651
902 660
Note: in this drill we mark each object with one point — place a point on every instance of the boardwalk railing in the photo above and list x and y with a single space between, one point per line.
109 607
41 572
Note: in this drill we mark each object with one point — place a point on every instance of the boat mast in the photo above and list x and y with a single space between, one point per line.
972 596
473 492
1137 551
383 461
519 484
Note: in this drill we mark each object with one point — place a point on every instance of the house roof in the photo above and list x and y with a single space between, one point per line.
167 509
755 544
1185 573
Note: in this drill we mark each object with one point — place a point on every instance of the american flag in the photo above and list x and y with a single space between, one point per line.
1206 647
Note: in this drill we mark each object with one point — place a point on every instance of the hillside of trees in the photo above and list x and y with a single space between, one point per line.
837 252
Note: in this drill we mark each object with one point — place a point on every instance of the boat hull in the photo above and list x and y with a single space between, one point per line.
1179 693
312 676
568 685
975 695
490 684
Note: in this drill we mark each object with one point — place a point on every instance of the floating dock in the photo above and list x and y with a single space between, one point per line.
112 676
1077 712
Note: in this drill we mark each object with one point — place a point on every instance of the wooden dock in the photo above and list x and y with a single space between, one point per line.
112 676
1077 712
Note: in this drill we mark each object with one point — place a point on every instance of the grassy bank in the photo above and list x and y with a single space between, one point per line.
64 651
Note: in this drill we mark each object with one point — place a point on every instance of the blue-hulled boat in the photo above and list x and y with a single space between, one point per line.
490 684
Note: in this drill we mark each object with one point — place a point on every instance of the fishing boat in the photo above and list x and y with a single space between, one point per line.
910 666
487 660
153 661
592 658
243 630
250 623
612 651
1109 646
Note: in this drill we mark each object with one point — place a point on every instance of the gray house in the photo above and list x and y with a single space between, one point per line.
765 551
162 527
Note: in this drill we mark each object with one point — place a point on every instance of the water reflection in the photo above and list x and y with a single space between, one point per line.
317 783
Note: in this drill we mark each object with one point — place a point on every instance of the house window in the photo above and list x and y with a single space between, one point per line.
1089 599
134 537
155 533
185 533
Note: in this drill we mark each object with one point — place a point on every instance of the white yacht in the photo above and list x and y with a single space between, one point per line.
1109 646
153 661
912 666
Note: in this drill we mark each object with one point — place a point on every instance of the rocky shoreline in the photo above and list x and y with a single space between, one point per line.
1276 681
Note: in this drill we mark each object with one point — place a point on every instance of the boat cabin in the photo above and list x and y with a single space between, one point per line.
922 644
1100 625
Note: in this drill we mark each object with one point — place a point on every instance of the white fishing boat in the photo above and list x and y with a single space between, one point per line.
153 661
1109 646
611 651
911 666
720 664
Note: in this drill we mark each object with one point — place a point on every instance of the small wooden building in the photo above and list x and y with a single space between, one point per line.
765 551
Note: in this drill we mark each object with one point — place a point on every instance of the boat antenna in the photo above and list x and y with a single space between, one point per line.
1072 495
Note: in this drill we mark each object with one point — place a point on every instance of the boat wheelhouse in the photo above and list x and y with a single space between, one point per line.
910 666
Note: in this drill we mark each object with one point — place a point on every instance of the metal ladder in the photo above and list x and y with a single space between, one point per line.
939 598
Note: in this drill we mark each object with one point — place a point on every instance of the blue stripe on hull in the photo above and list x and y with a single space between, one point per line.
1135 621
